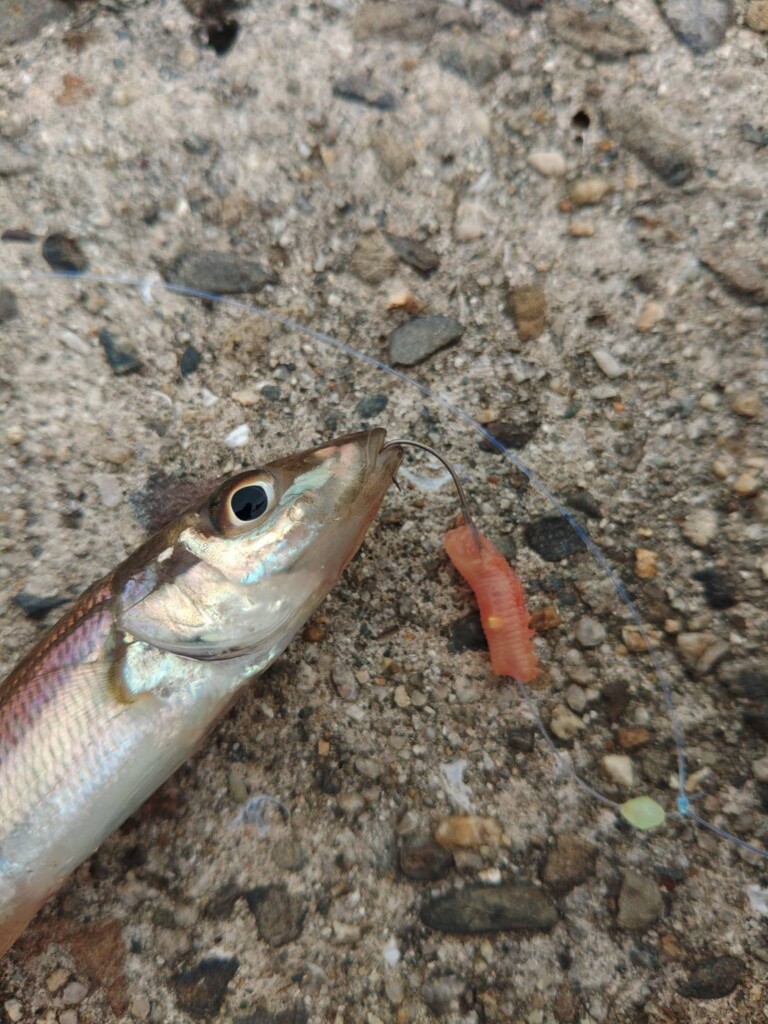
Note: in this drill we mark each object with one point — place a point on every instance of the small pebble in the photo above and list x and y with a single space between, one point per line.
640 902
414 253
110 490
190 361
632 738
646 563
651 316
527 305
424 860
564 724
490 908
140 1007
648 134
609 365
63 254
401 698
362 89
548 163
344 681
589 632
123 359
370 406
589 191
699 24
581 228
552 538
601 31
200 990
12 160
74 993
719 588
747 404
745 485
14 1010
715 977
701 527
570 863
56 979
239 437
14 434
756 15
221 273
279 915
478 59
760 769
472 221
618 768
467 831
372 259
576 699
68 1017
421 337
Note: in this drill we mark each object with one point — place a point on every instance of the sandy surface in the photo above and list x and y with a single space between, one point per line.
642 384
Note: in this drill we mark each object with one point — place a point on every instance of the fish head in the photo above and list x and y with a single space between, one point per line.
242 571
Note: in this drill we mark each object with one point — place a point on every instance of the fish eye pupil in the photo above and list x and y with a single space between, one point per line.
248 503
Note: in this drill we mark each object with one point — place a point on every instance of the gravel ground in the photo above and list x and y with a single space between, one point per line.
575 199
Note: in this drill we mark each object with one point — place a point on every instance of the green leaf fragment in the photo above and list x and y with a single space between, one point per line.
643 813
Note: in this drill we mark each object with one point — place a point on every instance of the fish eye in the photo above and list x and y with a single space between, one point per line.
241 502
249 502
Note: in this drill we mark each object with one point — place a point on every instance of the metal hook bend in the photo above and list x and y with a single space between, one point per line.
454 476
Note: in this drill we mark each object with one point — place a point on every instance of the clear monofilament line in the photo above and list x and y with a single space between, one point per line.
147 284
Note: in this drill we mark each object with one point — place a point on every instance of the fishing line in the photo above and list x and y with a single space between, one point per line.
146 287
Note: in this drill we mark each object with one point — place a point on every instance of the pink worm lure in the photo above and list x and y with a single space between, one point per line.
501 599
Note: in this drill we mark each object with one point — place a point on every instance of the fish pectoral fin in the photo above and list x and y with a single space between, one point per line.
138 668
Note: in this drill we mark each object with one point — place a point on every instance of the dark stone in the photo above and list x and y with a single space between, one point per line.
415 254
271 392
570 863
603 33
757 721
297 1014
699 24
646 133
751 683
190 360
222 904
713 978
719 588
582 501
738 273
466 634
371 406
757 136
220 273
490 908
279 916
521 739
8 306
421 337
509 435
18 235
409 20
63 253
615 699
122 359
36 606
425 861
553 538
361 89
200 991
521 7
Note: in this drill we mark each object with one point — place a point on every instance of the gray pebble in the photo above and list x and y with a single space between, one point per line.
442 994
288 854
589 632
603 33
279 916
640 902
485 908
361 89
475 58
408 20
222 904
8 306
466 634
713 978
123 359
395 156
371 406
699 24
222 273
372 259
424 860
21 21
646 133
553 538
415 254
421 337
344 682
12 160
738 273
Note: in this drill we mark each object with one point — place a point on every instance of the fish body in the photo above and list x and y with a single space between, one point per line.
127 684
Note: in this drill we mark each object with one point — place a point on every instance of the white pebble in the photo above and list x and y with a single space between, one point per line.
700 527
576 699
760 769
618 768
238 437
589 632
549 163
74 993
391 952
564 724
110 491
609 364
472 221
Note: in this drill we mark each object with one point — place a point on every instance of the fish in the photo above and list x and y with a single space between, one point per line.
125 687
